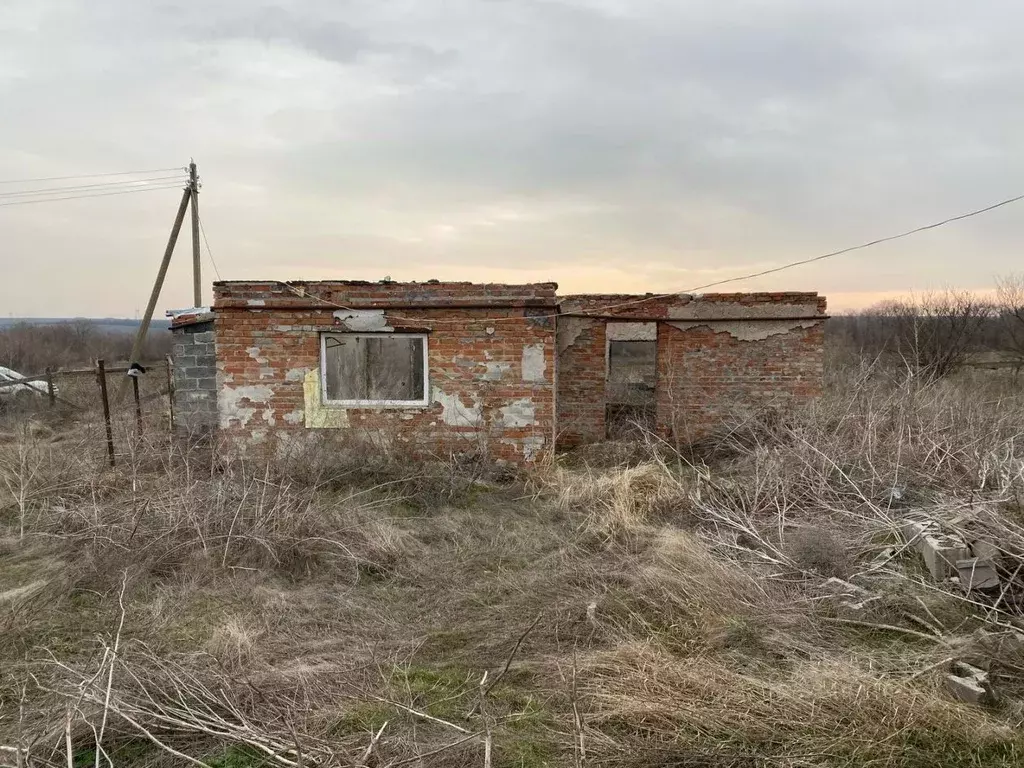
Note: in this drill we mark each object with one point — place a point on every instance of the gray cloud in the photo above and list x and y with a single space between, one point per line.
608 144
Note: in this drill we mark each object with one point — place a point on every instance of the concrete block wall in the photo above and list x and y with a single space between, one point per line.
719 356
490 350
195 376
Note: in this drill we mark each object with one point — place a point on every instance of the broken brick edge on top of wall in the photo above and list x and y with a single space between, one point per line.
716 353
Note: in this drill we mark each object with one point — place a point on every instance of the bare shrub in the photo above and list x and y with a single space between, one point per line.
815 548
1009 306
935 333
334 460
168 522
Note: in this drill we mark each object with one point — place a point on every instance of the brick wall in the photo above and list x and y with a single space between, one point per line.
195 376
491 363
719 356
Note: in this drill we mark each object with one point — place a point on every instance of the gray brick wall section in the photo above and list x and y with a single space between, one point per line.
195 378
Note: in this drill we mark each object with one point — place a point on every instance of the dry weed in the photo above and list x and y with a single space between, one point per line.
819 712
619 500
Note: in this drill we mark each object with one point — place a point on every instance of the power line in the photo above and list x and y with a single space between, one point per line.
96 193
653 297
89 176
840 252
83 187
208 251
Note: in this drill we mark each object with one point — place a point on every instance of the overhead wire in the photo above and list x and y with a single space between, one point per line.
89 195
654 297
91 175
83 187
208 251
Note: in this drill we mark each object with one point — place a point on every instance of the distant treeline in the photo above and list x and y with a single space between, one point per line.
30 348
935 333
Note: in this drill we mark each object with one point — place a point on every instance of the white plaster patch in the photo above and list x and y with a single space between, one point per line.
231 408
455 413
489 330
569 329
632 331
495 371
532 446
254 353
733 310
519 413
295 417
748 330
296 374
256 303
369 320
533 362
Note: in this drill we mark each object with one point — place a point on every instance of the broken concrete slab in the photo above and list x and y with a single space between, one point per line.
976 573
986 550
836 586
914 532
968 690
970 684
941 554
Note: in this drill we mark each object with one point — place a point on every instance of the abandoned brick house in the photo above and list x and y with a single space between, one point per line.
514 369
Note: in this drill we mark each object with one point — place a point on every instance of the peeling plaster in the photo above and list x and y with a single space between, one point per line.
296 374
231 409
532 446
363 320
295 417
748 330
533 362
456 414
495 371
615 331
254 353
256 303
519 413
569 330
319 416
712 310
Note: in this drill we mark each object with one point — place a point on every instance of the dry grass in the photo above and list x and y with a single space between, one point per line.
350 608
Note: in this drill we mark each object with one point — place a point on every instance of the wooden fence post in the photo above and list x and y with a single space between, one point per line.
138 405
49 387
101 374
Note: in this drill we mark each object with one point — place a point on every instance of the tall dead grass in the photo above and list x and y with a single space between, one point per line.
343 607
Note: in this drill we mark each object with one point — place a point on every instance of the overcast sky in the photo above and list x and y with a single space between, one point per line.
609 145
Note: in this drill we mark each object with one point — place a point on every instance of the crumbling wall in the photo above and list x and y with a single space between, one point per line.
718 356
708 376
194 368
581 380
490 364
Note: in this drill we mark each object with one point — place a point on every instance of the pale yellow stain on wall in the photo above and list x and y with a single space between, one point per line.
318 415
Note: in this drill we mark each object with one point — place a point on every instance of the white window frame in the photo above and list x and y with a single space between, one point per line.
374 403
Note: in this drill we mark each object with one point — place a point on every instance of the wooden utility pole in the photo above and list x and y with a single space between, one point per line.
140 336
197 268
